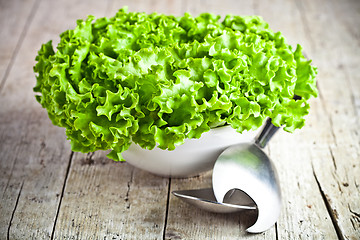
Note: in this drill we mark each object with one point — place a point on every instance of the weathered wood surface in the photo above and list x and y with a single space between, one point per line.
48 192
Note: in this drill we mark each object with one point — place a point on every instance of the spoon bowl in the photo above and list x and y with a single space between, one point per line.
248 168
205 199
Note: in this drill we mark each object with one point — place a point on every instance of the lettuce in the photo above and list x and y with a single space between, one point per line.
156 80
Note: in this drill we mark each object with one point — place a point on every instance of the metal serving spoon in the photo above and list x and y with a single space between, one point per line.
243 179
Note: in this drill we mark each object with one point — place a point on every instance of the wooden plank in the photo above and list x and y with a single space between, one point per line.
304 214
104 199
33 170
14 18
22 131
34 153
339 58
222 8
172 7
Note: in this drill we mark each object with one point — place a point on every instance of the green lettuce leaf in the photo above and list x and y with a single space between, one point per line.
156 80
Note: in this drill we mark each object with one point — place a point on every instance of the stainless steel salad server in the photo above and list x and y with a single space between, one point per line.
243 179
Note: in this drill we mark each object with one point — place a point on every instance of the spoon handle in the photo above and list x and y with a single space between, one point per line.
268 131
266 134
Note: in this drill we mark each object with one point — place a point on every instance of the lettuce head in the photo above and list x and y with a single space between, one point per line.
156 80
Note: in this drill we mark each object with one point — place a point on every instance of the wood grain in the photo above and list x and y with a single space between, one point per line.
106 199
13 31
338 173
32 168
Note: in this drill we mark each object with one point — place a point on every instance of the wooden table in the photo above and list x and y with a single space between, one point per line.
47 191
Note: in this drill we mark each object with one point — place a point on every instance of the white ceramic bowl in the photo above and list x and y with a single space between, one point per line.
189 159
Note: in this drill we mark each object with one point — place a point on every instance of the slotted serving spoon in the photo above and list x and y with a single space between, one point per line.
244 178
